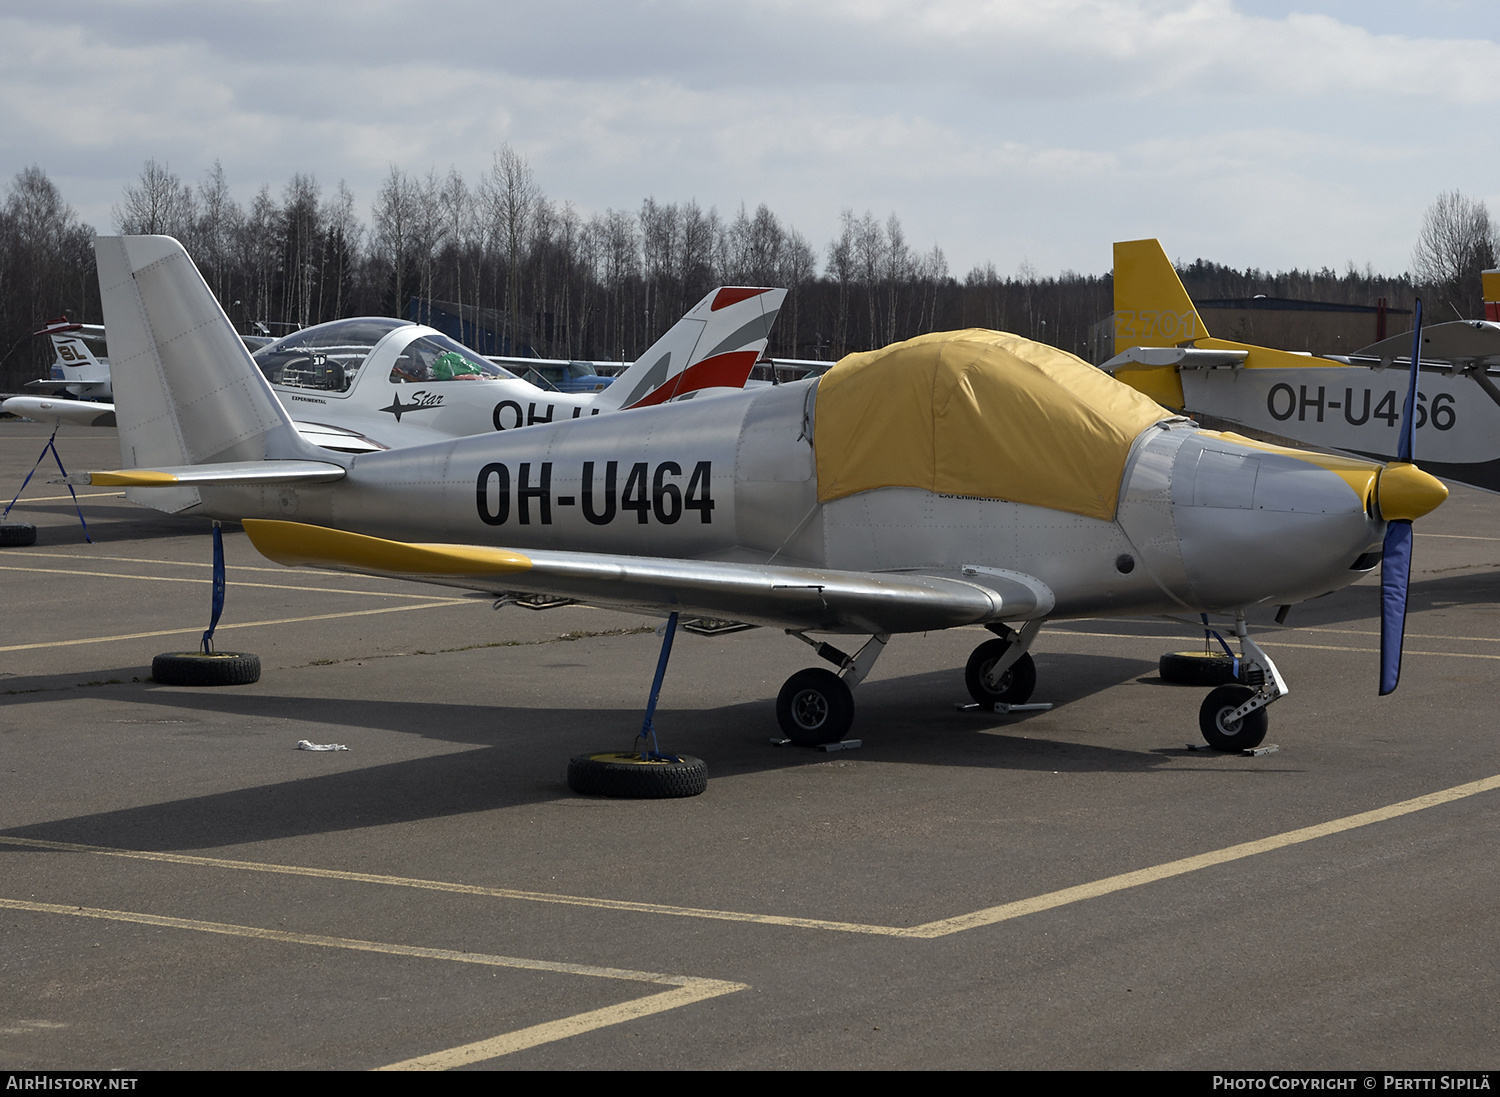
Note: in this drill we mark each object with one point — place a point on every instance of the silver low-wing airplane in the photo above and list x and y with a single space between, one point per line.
372 383
961 478
1352 403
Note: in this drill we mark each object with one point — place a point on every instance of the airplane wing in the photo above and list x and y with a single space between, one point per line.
795 598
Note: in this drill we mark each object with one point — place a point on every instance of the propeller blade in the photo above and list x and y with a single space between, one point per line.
1395 577
1395 556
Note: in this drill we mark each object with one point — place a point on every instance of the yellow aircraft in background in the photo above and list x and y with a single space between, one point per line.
1351 404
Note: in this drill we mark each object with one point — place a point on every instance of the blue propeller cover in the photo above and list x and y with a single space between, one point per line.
1395 575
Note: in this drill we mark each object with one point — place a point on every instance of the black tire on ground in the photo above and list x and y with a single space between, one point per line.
1197 668
628 776
814 707
194 668
1016 685
1244 733
17 534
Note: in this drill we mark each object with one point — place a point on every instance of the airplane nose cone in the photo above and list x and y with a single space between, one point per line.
1406 492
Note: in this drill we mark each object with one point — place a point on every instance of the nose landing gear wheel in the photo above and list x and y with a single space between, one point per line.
1241 734
1016 684
814 707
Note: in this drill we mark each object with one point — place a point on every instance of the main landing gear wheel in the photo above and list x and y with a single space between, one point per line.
196 668
1016 683
1241 734
815 707
629 776
17 534
1197 668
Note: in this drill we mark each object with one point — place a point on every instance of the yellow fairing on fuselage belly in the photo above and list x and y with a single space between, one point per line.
978 413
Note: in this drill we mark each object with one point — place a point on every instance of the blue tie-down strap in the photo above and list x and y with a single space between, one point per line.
208 637
1208 632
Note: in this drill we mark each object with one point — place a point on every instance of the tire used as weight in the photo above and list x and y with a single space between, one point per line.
628 776
1197 668
17 534
195 668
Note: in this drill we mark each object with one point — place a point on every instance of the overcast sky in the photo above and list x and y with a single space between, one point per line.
1267 133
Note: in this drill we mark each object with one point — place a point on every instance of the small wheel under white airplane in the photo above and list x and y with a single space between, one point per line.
1241 734
1016 684
17 534
197 668
628 776
1196 668
815 707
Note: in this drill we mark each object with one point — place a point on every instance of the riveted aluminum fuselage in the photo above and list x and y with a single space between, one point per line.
1203 523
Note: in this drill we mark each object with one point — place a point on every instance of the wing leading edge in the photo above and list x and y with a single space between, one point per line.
778 597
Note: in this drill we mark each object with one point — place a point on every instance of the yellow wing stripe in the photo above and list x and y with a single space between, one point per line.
127 479
295 543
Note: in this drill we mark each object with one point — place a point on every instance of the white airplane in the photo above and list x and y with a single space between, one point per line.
1351 404
375 383
959 478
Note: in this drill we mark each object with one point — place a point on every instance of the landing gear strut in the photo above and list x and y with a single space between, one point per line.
1234 717
816 706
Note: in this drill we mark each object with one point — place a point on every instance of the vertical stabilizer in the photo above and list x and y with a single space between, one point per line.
186 390
715 345
74 362
1152 309
1491 280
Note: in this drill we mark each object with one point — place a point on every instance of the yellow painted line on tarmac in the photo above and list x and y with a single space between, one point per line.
551 1031
1125 880
236 582
460 889
197 630
1272 642
89 557
687 989
941 928
68 498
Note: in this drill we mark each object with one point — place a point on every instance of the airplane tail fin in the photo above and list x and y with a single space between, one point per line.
715 345
1491 294
74 361
186 389
1152 309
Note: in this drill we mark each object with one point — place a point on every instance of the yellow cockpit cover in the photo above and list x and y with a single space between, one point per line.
981 413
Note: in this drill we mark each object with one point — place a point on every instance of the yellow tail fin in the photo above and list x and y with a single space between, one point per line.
1151 307
1491 294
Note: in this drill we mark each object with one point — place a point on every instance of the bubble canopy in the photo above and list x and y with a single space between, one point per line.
330 357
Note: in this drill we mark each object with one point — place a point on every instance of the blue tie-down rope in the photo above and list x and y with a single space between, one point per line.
208 637
50 447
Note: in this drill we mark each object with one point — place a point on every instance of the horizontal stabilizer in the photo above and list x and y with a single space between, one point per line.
1181 357
779 597
225 473
81 413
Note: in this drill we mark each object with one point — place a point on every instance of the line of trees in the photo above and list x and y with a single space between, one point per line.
562 284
